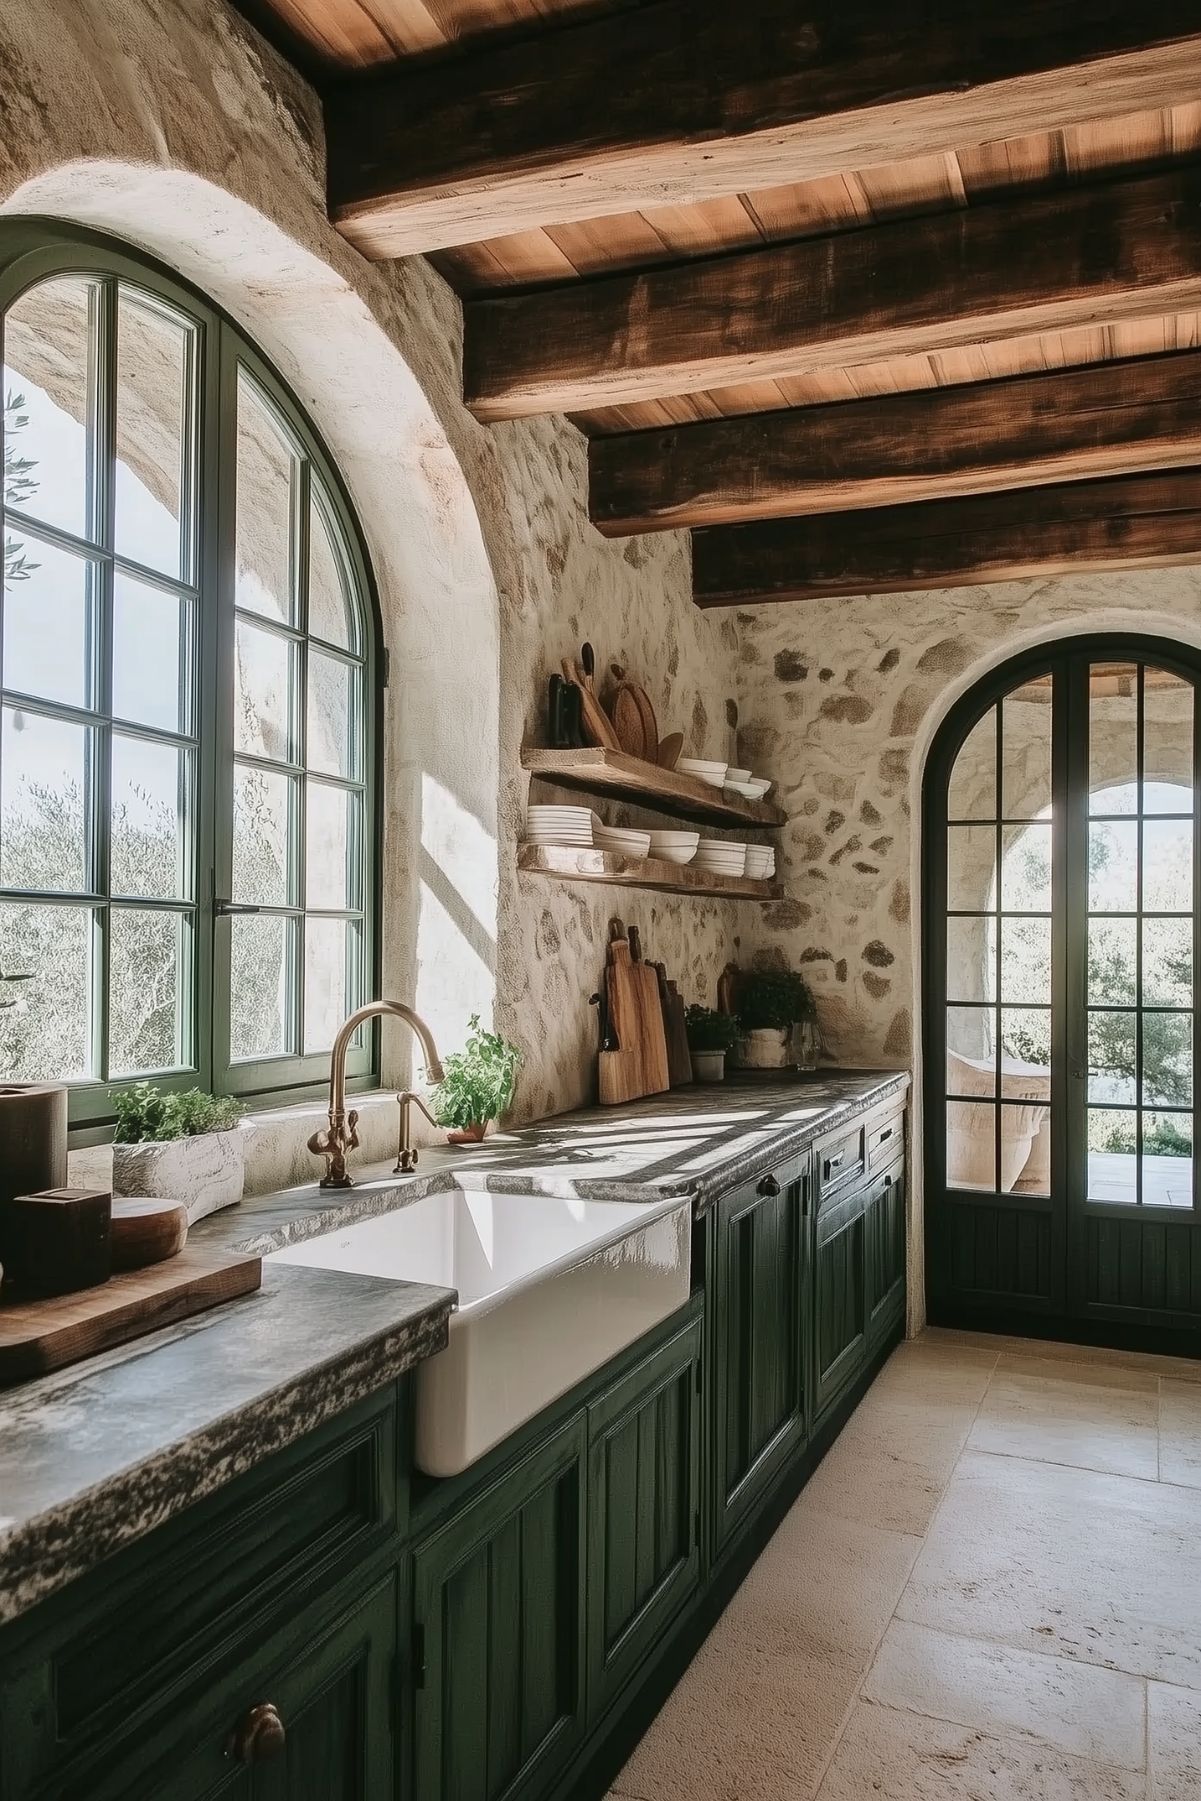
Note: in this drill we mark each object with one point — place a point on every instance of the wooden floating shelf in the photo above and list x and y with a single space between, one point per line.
613 772
573 864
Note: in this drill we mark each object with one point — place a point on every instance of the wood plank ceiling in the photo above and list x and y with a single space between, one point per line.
905 298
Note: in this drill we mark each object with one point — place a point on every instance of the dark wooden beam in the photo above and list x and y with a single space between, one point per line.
1129 522
936 443
683 100
1085 256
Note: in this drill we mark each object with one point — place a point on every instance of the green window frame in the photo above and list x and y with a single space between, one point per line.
189 677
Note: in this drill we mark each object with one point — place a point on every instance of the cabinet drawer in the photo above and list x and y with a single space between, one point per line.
885 1137
164 1616
840 1159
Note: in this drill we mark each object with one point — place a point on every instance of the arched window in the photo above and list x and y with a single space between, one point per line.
188 690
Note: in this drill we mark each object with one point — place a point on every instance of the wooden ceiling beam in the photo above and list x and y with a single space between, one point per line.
1096 255
937 443
684 100
1128 522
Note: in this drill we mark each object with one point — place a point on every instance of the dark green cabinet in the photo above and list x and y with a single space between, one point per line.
644 1522
885 1229
839 1297
498 1623
757 1336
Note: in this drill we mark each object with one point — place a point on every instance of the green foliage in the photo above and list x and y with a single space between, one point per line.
773 998
19 484
1162 1138
479 1080
145 1115
709 1030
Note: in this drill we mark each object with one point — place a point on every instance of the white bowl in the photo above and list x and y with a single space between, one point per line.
760 785
630 844
737 775
678 847
722 865
760 863
744 788
712 773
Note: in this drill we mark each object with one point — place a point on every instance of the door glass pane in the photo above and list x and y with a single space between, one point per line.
328 961
971 1051
146 989
45 802
153 423
1113 867
1026 759
331 615
1113 738
973 789
1112 1155
1167 962
971 868
1025 1051
1028 1129
264 694
1167 742
261 985
263 838
1167 1059
49 620
267 485
331 847
1167 1159
1167 866
972 959
50 339
971 1145
333 712
151 831
1112 1058
1113 962
1026 961
152 655
1026 868
45 1022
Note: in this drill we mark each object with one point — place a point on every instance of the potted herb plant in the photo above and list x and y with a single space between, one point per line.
179 1147
772 1005
710 1036
477 1085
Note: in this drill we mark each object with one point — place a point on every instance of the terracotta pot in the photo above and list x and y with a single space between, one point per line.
469 1134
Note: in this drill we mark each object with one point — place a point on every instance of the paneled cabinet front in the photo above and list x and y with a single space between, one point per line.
839 1296
758 1334
498 1597
885 1252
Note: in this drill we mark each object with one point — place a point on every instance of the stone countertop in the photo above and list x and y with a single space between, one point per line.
96 1455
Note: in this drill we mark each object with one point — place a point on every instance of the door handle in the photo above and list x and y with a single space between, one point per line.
769 1186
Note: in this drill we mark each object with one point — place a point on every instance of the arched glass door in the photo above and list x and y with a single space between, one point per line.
1061 944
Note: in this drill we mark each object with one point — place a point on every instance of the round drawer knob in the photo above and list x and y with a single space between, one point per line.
769 1185
259 1734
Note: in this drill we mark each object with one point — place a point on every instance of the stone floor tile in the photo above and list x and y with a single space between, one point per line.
1077 1708
1185 1369
1180 1432
1063 1418
891 1462
1099 1568
1082 1370
826 1582
1174 1743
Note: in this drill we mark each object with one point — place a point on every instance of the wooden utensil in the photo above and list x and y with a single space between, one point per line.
627 723
145 1232
37 1336
639 1065
597 728
679 1057
652 1037
646 712
669 750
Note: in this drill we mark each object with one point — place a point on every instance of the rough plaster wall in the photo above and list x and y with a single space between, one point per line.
186 135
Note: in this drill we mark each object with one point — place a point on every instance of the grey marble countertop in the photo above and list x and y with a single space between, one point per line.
98 1454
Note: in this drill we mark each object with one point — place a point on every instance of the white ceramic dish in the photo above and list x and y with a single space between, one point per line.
747 791
737 775
760 863
549 1289
630 843
675 847
712 773
761 785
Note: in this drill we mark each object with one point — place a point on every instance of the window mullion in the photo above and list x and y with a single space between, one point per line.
101 738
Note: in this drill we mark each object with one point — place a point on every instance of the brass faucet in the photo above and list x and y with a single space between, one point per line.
341 1135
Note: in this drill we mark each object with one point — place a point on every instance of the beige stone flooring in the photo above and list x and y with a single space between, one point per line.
990 1590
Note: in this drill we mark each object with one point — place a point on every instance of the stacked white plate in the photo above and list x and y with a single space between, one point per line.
630 843
713 773
561 825
760 861
741 781
760 786
675 847
721 857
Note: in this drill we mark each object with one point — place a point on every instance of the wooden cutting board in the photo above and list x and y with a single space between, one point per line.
37 1336
679 1057
635 1013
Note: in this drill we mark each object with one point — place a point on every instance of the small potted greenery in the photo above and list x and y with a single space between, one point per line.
772 1005
710 1036
477 1085
178 1147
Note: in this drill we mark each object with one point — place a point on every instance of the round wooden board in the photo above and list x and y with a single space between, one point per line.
147 1231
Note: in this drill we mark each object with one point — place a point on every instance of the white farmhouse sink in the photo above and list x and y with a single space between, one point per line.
549 1289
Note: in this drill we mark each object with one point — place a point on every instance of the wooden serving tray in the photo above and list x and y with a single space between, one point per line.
38 1336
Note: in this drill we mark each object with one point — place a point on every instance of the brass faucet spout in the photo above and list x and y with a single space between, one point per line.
341 1135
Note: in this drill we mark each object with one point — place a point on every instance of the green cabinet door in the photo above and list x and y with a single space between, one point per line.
885 1253
839 1297
644 1510
498 1599
758 1338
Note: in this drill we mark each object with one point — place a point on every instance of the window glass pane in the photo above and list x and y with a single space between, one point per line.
971 1051
148 953
972 959
971 868
333 715
971 1145
262 837
45 786
1167 962
50 403
151 841
1026 1149
1112 1058
1026 961
1025 1050
1112 962
49 620
152 655
264 694
330 959
1026 868
332 840
331 613
1167 1160
154 364
45 1023
261 985
1167 1059
1113 738
1167 742
1112 1156
1026 759
267 480
1113 867
973 789
1167 866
